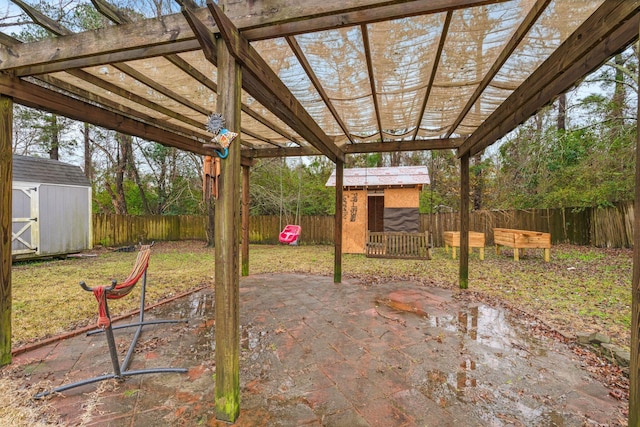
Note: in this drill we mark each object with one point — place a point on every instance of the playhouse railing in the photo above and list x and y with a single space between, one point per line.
398 245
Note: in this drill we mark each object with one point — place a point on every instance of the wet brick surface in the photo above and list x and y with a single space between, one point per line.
315 353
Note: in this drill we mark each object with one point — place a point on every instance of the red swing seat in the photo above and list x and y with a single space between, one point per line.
290 234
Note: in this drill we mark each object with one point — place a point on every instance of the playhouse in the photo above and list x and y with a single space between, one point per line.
379 202
51 208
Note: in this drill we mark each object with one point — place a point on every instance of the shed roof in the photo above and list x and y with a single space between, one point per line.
399 175
37 170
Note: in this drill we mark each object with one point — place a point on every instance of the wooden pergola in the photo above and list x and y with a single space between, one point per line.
302 78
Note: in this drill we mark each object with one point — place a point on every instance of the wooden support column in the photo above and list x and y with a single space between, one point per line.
6 167
245 220
634 369
227 225
464 221
337 227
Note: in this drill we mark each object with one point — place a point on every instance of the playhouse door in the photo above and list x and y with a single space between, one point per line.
24 233
375 214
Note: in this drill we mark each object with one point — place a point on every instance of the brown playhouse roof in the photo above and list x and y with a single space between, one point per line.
331 77
381 177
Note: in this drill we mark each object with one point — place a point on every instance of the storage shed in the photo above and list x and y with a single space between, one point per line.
379 200
51 208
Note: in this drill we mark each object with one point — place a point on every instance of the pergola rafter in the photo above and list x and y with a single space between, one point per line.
295 47
372 81
513 43
434 70
613 26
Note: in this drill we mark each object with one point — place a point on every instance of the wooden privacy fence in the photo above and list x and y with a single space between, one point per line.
602 227
118 230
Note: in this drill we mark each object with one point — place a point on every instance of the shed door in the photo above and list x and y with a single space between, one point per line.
24 232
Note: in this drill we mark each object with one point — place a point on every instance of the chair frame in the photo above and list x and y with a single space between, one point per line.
120 369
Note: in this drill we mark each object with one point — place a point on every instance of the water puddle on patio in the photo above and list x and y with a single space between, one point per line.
491 361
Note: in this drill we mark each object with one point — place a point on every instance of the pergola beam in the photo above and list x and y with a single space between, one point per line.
280 152
360 148
171 34
32 95
608 30
413 145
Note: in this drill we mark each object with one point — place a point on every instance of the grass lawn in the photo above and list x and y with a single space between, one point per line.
581 289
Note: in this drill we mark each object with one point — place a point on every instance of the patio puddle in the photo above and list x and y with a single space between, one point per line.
490 360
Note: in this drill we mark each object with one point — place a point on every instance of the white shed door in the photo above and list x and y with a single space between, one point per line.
24 235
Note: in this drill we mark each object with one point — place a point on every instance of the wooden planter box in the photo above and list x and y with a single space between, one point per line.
452 240
522 239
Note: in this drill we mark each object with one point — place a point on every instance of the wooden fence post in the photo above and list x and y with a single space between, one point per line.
337 230
464 222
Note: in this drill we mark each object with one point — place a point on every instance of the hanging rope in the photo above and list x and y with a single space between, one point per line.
299 191
281 193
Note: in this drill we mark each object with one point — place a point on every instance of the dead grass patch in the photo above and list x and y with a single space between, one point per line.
18 409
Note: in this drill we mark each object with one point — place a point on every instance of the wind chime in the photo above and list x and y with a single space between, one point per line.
223 138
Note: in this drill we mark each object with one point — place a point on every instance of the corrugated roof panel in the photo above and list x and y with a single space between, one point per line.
385 176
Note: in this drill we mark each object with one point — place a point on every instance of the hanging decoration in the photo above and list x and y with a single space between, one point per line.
221 135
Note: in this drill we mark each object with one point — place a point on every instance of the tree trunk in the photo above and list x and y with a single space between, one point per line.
88 167
118 198
617 110
478 182
54 149
562 112
131 166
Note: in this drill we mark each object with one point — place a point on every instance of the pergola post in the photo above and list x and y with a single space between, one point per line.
227 225
245 220
337 228
6 167
464 221
634 369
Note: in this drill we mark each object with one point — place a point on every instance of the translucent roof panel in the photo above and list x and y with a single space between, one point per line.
475 39
545 37
115 76
285 64
358 72
403 52
338 59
